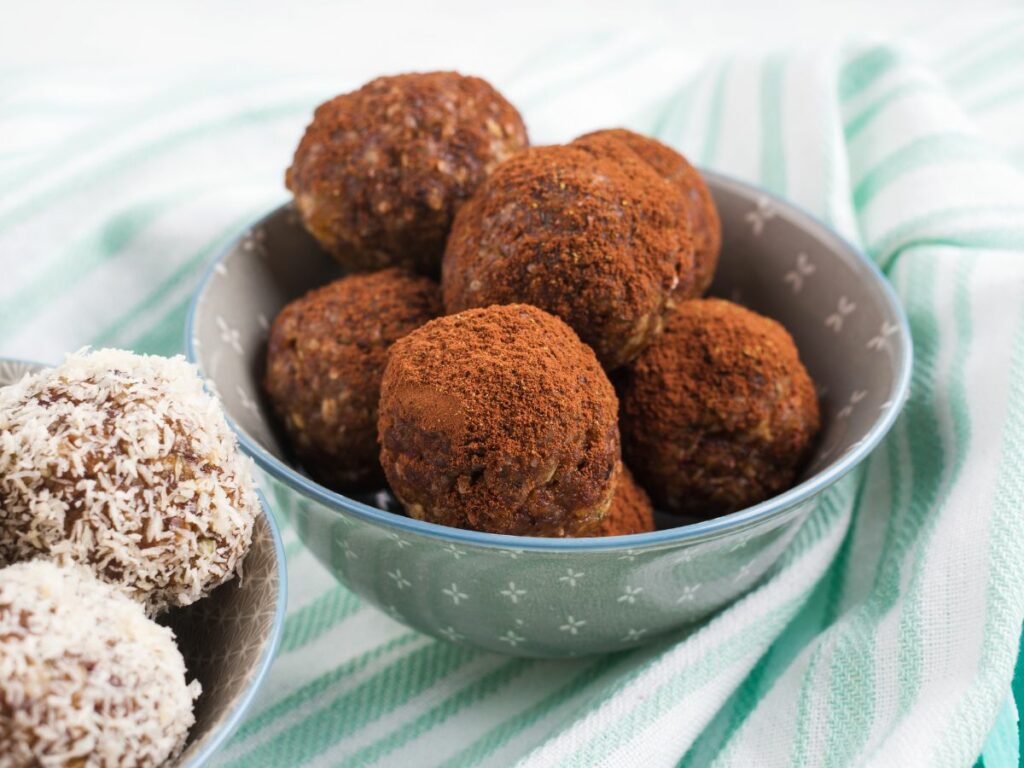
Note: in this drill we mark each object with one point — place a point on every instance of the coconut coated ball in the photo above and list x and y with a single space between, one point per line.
719 413
88 680
700 205
631 510
499 420
325 359
588 232
381 171
124 463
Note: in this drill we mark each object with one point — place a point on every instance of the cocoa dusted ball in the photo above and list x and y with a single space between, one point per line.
500 420
719 413
631 510
381 171
588 232
674 168
325 358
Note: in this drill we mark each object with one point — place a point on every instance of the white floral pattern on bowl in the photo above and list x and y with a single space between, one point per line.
544 597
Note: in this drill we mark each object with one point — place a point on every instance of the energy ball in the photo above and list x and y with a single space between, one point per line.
325 359
674 168
499 420
88 679
588 232
631 510
381 171
719 413
125 464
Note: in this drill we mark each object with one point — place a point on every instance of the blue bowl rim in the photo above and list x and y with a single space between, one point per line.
689 533
233 720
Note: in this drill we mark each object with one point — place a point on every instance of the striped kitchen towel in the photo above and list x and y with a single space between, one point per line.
887 635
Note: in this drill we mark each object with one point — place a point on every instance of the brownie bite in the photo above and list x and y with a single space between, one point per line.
325 359
499 420
381 171
719 413
700 205
631 510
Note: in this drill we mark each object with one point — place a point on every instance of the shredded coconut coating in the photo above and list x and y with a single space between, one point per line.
124 463
86 680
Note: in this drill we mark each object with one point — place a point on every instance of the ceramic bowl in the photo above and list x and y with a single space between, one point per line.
558 597
228 639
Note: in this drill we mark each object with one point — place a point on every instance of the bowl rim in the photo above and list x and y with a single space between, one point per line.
691 532
229 724
233 719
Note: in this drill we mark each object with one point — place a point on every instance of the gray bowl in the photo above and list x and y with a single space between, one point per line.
228 639
559 597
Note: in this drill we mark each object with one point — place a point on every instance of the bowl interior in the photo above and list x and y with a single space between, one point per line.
776 259
229 638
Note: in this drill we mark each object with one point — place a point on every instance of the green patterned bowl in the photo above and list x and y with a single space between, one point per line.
564 597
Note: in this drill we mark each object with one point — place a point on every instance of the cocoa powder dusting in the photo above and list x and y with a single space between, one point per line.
588 232
700 205
381 171
325 358
631 511
719 413
499 420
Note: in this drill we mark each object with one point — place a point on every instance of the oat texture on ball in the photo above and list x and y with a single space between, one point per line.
87 679
700 205
719 413
125 464
631 511
325 358
588 232
499 420
381 171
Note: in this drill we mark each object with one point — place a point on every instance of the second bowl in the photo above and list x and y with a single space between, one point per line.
229 638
